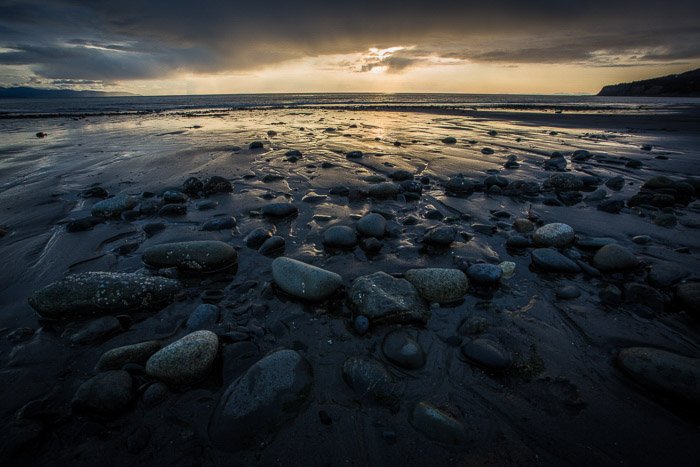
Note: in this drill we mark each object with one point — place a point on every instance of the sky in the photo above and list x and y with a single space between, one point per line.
167 47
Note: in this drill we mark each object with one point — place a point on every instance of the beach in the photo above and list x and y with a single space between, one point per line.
529 364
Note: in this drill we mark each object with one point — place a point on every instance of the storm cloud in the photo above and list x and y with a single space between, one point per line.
98 41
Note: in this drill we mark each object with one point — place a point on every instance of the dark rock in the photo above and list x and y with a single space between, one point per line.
219 223
557 235
437 425
340 236
113 207
172 210
568 292
612 206
439 285
688 296
614 257
440 236
372 225
370 380
485 274
303 280
565 182
205 316
108 393
256 145
403 350
136 353
96 330
279 210
383 298
193 186
257 237
487 354
217 184
354 155
195 256
615 183
551 260
185 361
272 246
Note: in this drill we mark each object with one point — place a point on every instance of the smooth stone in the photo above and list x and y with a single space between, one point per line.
485 274
268 395
206 205
97 330
517 242
615 183
666 274
598 195
551 260
361 324
594 243
403 350
439 285
303 280
219 223
372 225
371 245
313 197
108 393
256 145
173 197
185 361
449 140
370 380
354 155
437 425
192 186
273 245
173 210
257 237
568 292
153 228
383 190
522 225
81 225
474 325
205 316
688 295
383 298
641 239
279 210
112 207
440 236
99 293
643 294
507 268
194 256
612 206
614 257
340 236
565 182
663 372
155 394
120 356
460 185
557 235
487 354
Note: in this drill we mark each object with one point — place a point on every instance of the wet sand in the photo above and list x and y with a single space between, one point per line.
563 400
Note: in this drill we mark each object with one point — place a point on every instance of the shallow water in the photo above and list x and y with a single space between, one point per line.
564 401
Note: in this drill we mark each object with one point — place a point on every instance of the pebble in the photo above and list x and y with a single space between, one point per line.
440 285
615 183
372 225
268 395
108 393
195 256
361 324
383 190
487 354
113 207
174 197
96 330
551 260
94 293
217 184
155 394
564 182
440 236
485 274
354 155
279 210
517 242
303 280
557 235
614 257
403 350
688 295
272 246
205 316
612 206
568 292
340 236
507 268
219 223
383 298
370 379
173 210
185 361
437 425
135 353
257 237
449 140
192 186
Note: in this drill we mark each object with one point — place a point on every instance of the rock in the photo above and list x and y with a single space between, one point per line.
487 151
460 185
565 182
568 292
485 274
205 316
663 372
615 183
665 220
219 223
170 210
303 280
192 186
370 380
437 425
487 354
383 190
440 236
641 239
517 242
99 293
206 205
155 394
340 236
96 330
557 235
688 295
666 274
108 393
372 225
81 225
403 350
610 295
272 246
257 237
598 195
269 394
153 228
136 353
185 361
438 284
614 257
174 197
313 197
507 269
279 210
361 324
195 256
613 206
293 155
644 295
383 298
549 259
256 145
449 140
354 155
555 163
113 207
217 184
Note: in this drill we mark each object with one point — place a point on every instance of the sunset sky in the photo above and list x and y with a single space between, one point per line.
201 47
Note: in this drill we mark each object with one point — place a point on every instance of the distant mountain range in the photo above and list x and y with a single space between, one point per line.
683 85
38 93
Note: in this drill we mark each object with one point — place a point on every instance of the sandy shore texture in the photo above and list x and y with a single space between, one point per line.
525 369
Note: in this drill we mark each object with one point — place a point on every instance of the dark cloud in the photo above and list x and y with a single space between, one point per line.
132 39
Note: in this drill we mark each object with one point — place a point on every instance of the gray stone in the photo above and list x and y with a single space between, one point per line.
219 223
96 330
196 256
136 353
437 425
485 274
272 246
205 316
440 285
113 207
383 190
217 184
257 237
403 350
549 259
108 393
663 372
557 235
568 292
565 182
279 210
303 280
340 236
440 236
372 225
487 354
99 293
186 360
269 394
383 298
614 257
371 380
